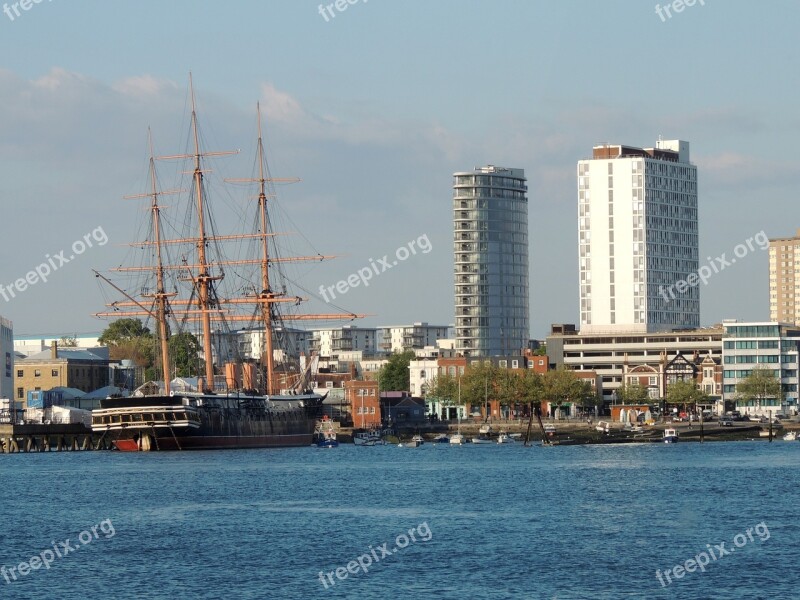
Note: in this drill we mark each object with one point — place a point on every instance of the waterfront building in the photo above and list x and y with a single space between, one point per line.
659 357
490 252
363 398
248 344
784 279
422 372
638 239
7 356
396 338
771 345
330 343
77 368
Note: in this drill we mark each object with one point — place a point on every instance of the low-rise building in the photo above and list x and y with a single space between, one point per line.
763 345
617 356
364 400
83 369
396 338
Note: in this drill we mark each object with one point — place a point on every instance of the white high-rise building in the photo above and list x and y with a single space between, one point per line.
490 255
638 239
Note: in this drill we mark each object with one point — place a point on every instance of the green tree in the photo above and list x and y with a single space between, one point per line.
685 393
394 376
184 352
633 393
68 341
760 385
129 339
562 386
478 384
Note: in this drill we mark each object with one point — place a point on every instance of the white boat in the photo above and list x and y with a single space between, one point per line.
457 439
368 438
602 426
419 439
482 440
504 438
485 429
441 439
791 436
412 443
670 436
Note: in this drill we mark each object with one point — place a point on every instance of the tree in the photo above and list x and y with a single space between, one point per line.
68 341
129 339
759 385
478 384
184 351
394 376
563 385
123 330
685 393
444 390
633 393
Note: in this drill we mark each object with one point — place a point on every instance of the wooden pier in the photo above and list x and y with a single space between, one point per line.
47 438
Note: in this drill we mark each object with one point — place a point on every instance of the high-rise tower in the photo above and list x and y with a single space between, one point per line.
638 239
490 233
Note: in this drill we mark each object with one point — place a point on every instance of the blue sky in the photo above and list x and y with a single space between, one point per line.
375 109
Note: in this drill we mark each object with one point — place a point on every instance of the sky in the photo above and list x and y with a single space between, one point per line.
373 108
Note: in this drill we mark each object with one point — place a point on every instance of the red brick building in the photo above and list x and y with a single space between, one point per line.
364 401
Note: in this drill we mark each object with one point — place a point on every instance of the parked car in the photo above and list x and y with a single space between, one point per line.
726 422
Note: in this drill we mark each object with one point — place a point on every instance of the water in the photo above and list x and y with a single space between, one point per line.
500 522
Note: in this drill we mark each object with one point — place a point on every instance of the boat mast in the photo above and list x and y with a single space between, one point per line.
203 278
160 295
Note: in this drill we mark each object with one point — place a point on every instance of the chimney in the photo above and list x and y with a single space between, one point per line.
54 350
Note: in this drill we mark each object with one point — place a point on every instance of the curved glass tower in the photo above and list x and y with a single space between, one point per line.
490 251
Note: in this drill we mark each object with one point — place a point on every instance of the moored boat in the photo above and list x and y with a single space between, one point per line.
670 436
457 439
325 435
504 438
371 437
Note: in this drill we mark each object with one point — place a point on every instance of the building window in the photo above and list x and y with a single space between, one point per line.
54 373
328 384
20 393
19 373
37 373
372 410
515 364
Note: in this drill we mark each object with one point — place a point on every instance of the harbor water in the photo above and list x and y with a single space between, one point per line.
482 522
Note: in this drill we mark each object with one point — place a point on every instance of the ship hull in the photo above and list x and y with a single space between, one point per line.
205 422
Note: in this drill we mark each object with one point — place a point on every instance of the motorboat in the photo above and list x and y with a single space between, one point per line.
504 438
670 436
441 439
790 436
457 439
412 443
482 439
368 438
325 435
602 426
418 439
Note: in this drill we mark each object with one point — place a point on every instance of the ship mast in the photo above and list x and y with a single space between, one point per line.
203 279
160 295
266 307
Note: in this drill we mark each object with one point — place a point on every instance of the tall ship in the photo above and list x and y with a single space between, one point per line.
192 278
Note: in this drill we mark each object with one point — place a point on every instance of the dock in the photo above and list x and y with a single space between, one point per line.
47 438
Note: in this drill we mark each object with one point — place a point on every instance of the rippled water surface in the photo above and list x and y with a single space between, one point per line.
487 522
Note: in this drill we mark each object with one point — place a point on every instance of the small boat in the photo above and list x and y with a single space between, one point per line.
368 438
457 439
791 436
670 436
441 439
325 435
550 429
485 429
412 443
504 438
602 426
419 439
482 439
